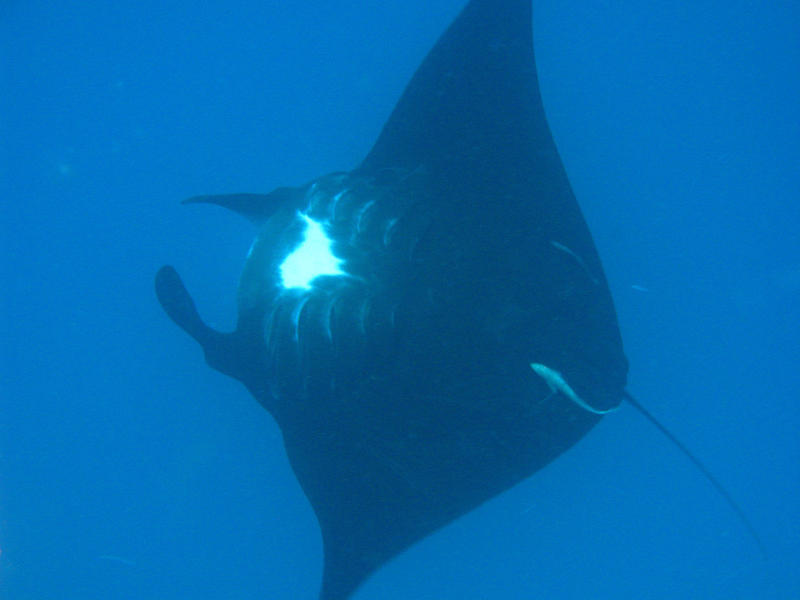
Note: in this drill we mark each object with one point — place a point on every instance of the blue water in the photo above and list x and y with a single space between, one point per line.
129 470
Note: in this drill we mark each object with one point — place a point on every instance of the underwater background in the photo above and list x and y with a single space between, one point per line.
130 470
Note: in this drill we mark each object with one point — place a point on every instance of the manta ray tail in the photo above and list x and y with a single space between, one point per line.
703 469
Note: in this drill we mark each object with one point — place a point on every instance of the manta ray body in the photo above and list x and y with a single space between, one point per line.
453 331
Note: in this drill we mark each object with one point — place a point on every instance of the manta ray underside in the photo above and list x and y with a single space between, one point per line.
460 334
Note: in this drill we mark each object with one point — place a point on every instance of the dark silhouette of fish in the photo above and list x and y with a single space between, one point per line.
455 333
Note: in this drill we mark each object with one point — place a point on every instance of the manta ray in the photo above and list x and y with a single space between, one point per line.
433 326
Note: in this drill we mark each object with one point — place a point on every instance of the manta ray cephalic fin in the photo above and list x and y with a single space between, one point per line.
256 208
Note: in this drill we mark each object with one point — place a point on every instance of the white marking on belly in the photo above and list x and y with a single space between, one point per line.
312 258
335 203
296 316
360 215
329 317
389 231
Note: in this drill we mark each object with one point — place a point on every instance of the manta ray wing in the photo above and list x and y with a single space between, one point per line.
402 379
